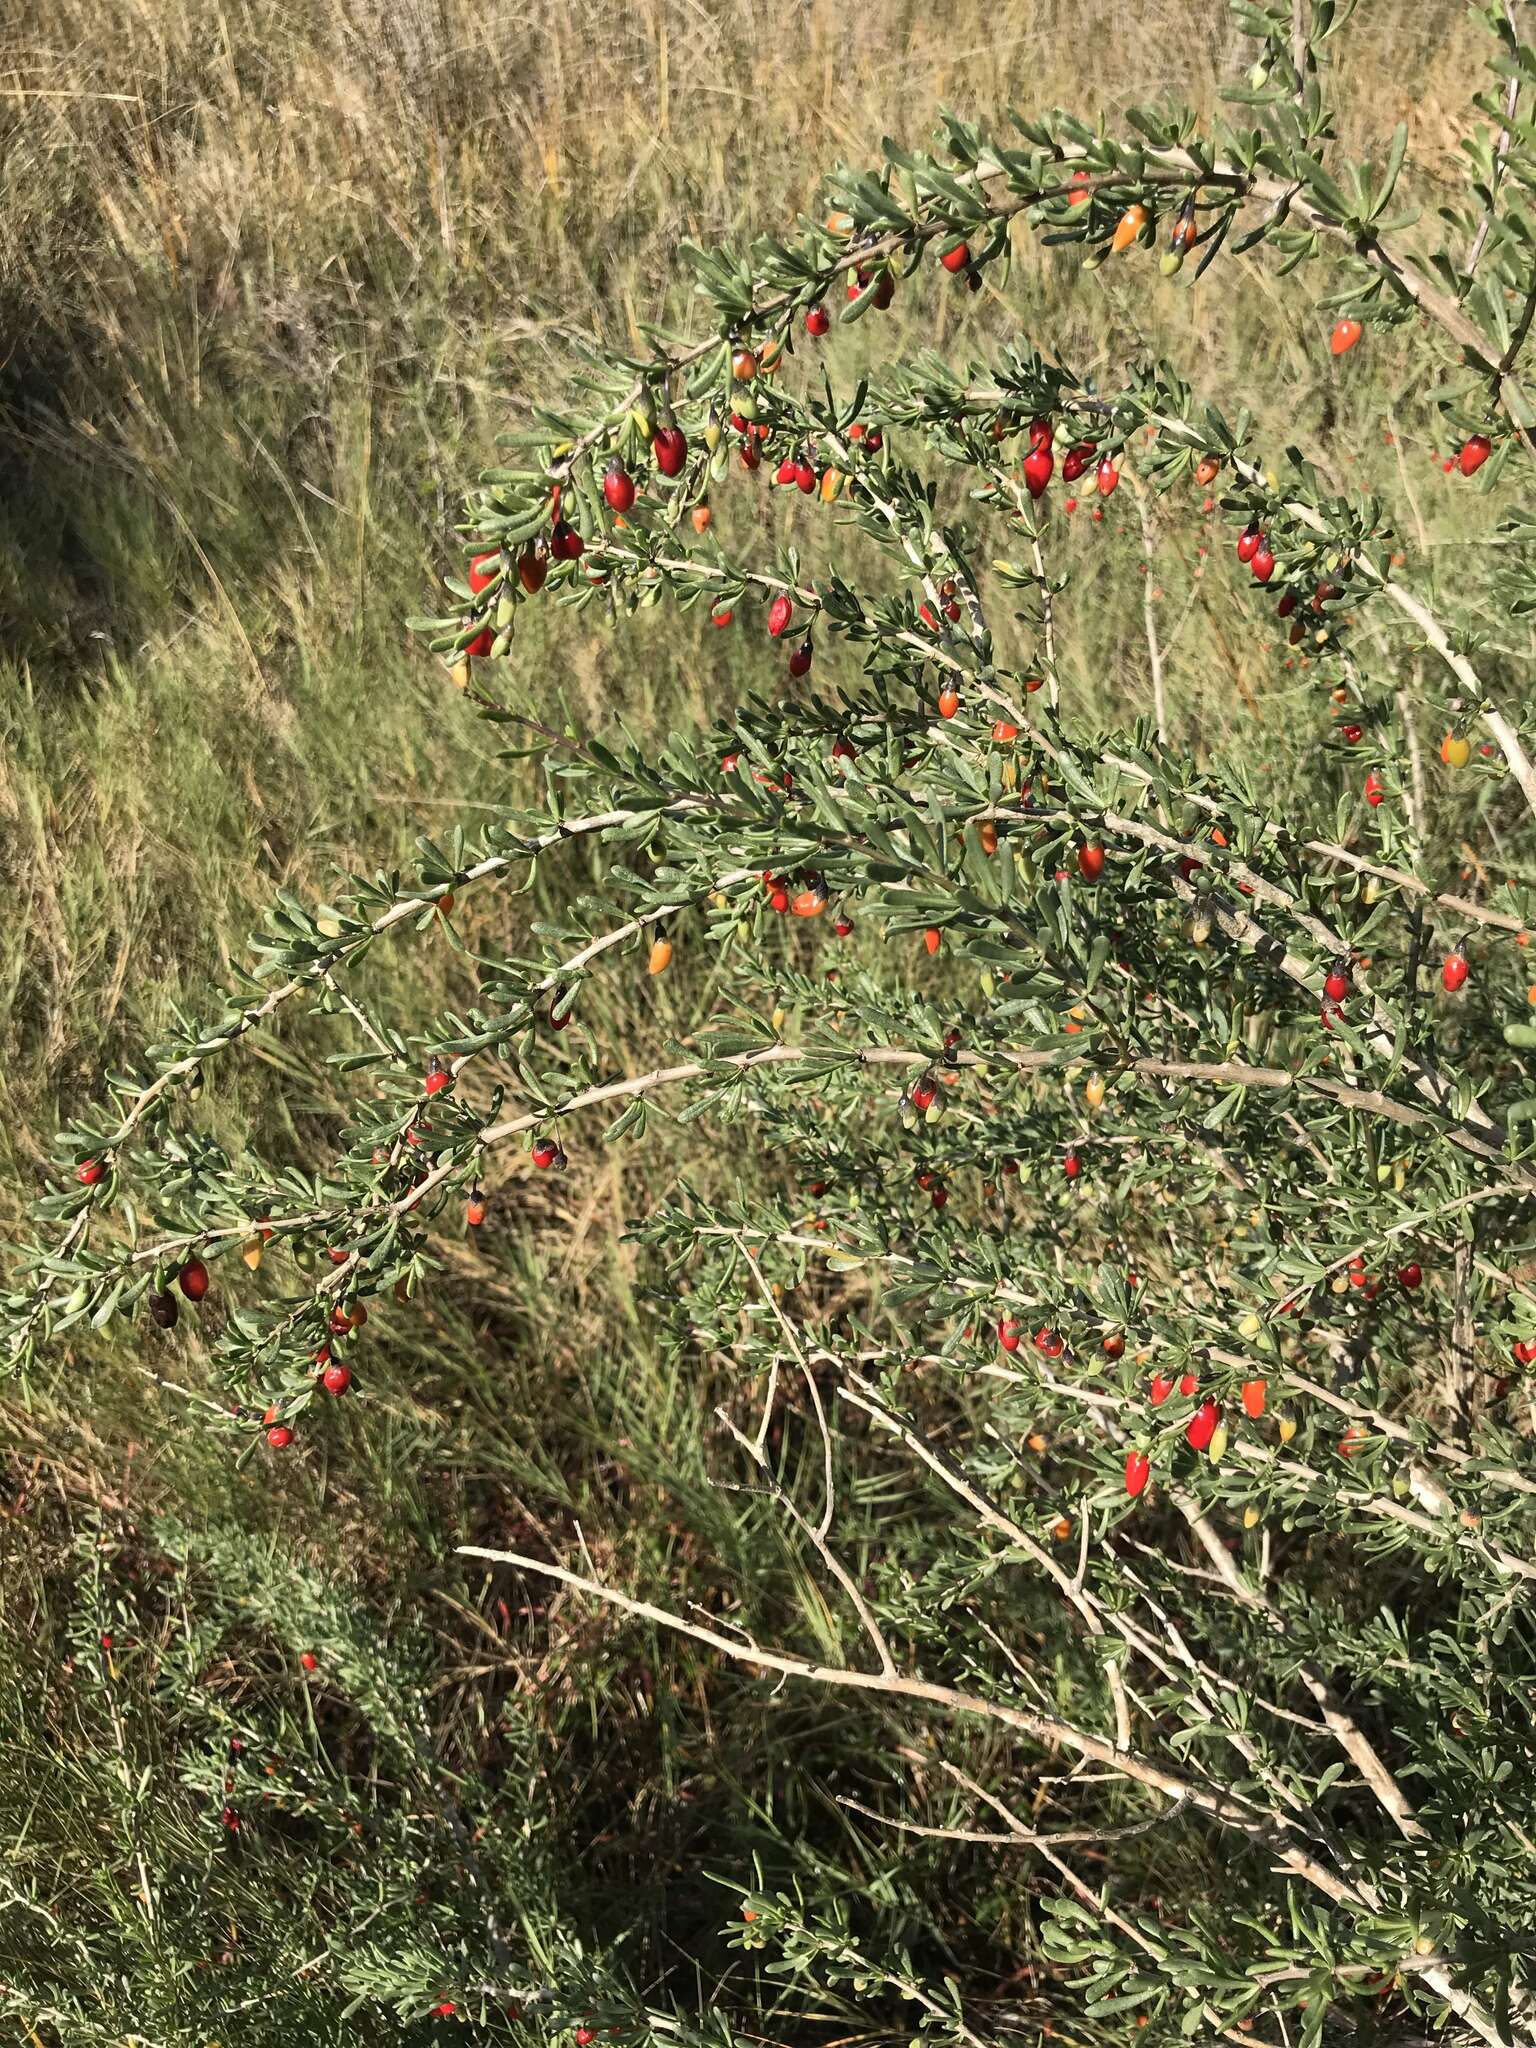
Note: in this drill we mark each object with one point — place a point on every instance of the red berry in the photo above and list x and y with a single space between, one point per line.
482 643
1375 790
1263 563
670 447
618 486
280 1436
231 1820
1114 1345
817 321
843 927
1187 1383
1010 1334
1038 464
1411 1275
956 257
1072 1165
565 543
547 1153
1161 1388
193 1279
1336 987
933 938
1076 460
1138 1469
1474 454
437 1077
90 1173
1090 862
1201 1426
780 612
1454 971
1248 543
482 571
336 1378
923 1092
1344 336
309 1660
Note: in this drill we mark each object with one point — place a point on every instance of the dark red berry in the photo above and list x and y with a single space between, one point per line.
193 1279
1038 465
1201 1426
618 486
670 447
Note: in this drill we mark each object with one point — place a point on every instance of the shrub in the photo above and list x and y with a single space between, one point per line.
1132 1326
